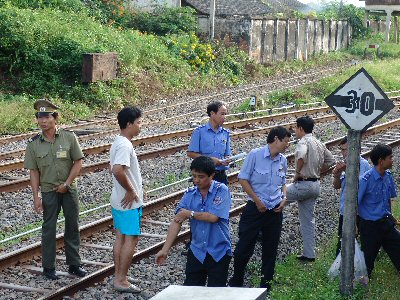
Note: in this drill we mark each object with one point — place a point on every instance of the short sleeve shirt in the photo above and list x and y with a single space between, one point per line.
208 142
314 154
53 160
212 238
266 175
364 167
122 153
374 194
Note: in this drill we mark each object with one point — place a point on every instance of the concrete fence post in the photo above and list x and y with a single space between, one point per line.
330 36
315 36
337 36
275 37
306 40
286 39
296 39
263 38
322 35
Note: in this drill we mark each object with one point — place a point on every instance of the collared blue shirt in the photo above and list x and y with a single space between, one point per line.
374 194
265 175
212 238
211 143
364 167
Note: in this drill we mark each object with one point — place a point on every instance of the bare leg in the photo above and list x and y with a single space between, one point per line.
124 248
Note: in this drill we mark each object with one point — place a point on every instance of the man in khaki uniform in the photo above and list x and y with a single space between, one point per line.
311 157
54 159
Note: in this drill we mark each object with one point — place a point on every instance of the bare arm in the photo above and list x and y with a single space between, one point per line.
34 178
217 162
249 191
336 172
184 214
173 231
130 195
299 166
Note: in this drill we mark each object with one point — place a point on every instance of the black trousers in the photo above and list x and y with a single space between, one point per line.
197 273
340 229
250 224
377 234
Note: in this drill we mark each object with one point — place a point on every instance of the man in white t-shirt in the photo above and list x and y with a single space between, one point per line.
126 197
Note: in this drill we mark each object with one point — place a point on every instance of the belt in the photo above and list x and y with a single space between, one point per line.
307 179
219 171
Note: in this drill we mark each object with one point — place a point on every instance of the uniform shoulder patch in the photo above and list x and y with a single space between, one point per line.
366 176
31 139
217 200
191 189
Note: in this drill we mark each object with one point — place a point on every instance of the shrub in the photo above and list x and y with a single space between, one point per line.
199 56
41 54
64 5
339 11
165 20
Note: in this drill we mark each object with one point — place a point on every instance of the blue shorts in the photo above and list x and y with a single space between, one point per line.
127 221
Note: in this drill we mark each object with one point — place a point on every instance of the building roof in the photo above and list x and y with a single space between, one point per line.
246 7
230 7
286 5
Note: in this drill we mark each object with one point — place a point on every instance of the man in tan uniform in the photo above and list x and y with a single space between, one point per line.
54 159
311 156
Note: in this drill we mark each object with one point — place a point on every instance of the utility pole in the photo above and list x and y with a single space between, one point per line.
212 19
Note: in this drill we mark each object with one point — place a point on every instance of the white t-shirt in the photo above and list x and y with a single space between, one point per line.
122 153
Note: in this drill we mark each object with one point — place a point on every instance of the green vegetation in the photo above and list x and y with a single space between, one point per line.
159 54
42 46
296 280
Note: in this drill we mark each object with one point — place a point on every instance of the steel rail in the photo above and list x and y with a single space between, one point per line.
5 140
139 141
91 279
18 184
28 252
13 257
24 182
105 272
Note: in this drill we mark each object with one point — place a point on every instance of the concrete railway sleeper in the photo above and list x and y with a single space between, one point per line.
155 229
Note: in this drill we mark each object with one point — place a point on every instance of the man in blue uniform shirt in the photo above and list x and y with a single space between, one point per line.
339 181
213 140
263 178
377 225
207 207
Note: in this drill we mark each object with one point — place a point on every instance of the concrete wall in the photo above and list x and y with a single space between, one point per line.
377 26
149 5
269 40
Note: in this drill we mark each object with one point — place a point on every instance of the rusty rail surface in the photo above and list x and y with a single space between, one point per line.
24 182
105 223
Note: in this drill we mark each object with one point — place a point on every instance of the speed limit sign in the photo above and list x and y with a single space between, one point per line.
359 102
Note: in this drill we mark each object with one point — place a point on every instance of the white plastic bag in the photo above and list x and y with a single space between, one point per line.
334 270
360 268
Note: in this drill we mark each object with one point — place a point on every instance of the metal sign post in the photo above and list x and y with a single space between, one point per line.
359 102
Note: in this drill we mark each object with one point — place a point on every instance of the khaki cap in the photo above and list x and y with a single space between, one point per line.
44 106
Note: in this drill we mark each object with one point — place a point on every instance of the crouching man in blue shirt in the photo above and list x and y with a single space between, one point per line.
377 225
207 207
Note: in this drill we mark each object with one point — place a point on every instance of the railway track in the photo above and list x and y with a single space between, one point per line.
13 185
185 108
387 132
